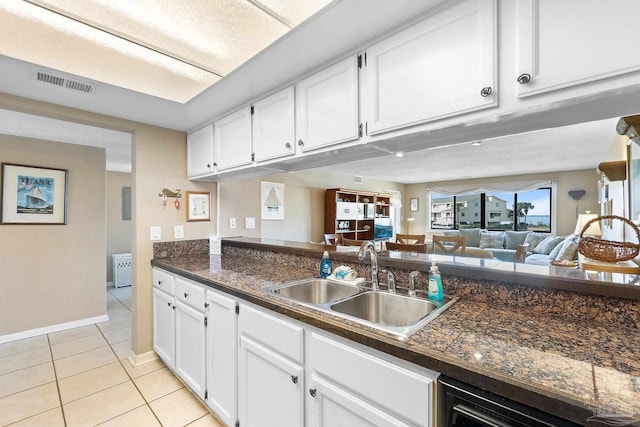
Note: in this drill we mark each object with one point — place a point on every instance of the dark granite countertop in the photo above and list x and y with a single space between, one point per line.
572 366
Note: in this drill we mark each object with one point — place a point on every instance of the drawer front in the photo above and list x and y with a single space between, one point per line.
282 336
163 280
386 385
190 293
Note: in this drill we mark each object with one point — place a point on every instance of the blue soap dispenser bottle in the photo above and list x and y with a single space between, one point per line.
325 265
435 291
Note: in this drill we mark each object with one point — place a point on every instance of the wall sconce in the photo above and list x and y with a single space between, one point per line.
166 193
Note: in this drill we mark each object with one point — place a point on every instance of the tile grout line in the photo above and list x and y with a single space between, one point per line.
55 374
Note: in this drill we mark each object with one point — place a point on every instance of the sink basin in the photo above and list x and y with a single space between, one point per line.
395 313
316 291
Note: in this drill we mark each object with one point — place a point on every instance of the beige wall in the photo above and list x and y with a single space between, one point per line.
118 230
54 274
159 160
565 214
304 203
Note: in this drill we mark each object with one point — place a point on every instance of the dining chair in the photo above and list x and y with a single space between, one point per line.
407 247
410 238
521 253
352 242
332 239
450 244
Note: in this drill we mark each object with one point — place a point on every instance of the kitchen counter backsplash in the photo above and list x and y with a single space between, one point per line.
570 305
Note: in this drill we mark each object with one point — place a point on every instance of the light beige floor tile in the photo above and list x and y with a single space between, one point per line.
122 349
26 344
28 403
25 359
83 362
118 312
178 408
157 384
113 324
81 345
27 378
118 335
102 406
110 297
142 369
206 421
115 305
52 418
93 381
142 416
73 334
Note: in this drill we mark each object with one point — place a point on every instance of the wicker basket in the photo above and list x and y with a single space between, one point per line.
607 250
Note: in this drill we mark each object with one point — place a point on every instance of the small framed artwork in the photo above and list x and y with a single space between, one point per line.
413 204
33 195
198 206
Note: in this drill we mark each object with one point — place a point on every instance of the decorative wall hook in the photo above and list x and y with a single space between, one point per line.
166 193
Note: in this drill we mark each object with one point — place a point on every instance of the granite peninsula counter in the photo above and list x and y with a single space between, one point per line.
571 354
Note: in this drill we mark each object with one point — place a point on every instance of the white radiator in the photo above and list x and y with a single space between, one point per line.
121 270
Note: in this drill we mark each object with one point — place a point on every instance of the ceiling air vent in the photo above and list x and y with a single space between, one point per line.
62 82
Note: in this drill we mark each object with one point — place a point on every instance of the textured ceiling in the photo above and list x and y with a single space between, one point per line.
170 49
576 147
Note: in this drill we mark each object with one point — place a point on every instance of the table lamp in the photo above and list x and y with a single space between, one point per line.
594 228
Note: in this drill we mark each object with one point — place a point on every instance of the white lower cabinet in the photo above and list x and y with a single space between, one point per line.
190 347
222 356
164 326
270 371
254 367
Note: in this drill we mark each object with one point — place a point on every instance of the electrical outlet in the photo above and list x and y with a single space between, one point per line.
232 223
178 231
155 233
249 223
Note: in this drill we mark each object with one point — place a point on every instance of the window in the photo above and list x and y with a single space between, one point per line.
525 210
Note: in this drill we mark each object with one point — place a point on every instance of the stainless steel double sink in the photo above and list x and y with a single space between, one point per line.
391 312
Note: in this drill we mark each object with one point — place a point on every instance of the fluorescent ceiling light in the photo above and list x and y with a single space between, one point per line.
172 50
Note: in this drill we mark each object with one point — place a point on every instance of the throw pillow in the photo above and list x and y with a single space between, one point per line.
534 239
556 249
491 239
546 246
569 251
472 235
514 238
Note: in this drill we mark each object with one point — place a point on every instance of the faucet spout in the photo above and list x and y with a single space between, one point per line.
368 246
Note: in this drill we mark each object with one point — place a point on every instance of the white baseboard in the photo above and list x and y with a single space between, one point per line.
53 328
141 359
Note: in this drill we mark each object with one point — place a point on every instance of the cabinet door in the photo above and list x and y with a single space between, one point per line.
273 126
563 44
232 136
164 326
327 107
200 152
346 210
270 388
222 356
190 347
331 405
442 66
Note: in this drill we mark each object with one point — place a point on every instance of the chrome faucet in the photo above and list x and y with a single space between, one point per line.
369 246
412 283
391 280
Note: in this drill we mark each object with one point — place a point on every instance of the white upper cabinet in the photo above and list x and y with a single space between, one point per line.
327 106
232 136
442 66
200 152
563 43
273 126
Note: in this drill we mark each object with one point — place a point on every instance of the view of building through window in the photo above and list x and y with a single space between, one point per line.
525 210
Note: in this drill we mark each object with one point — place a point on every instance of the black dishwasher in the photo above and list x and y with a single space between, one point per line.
463 405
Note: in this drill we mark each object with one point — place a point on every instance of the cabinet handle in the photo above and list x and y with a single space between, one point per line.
186 295
206 305
174 307
287 146
525 78
215 164
294 379
159 282
300 142
169 304
486 91
312 392
208 165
